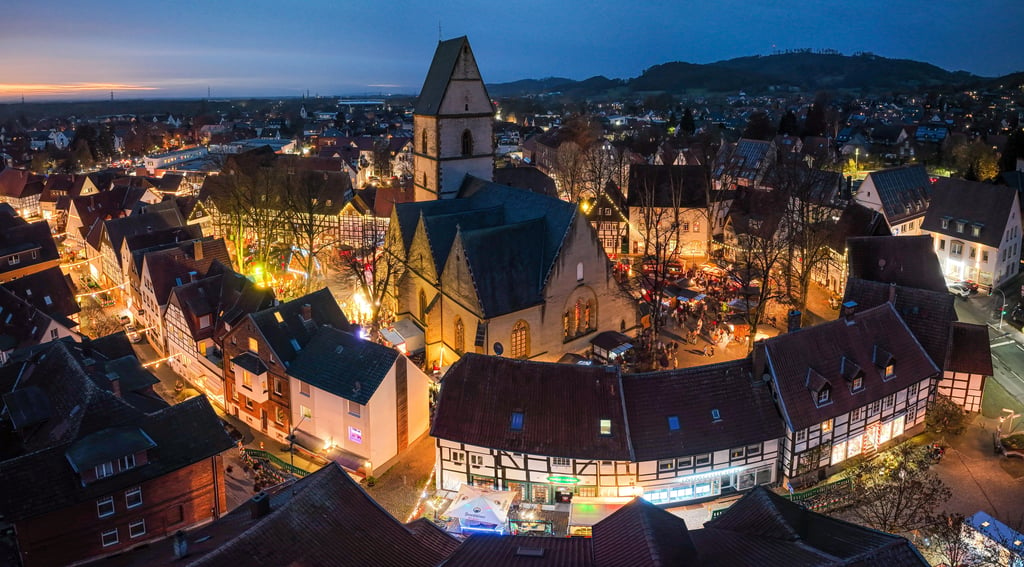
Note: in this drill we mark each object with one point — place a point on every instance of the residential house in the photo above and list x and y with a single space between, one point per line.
258 351
500 270
845 388
94 460
360 400
668 211
609 215
25 248
22 189
164 269
543 429
908 261
49 291
199 314
992 541
976 229
88 212
22 325
968 364
744 164
325 519
856 220
901 194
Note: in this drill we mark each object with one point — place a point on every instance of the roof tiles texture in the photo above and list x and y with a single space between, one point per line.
970 204
793 357
904 260
904 191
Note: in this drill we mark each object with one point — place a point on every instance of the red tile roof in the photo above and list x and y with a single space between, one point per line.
793 357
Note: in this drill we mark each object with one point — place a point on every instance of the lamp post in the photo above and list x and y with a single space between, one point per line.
291 441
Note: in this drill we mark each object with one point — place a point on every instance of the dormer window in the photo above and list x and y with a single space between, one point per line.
857 384
605 427
516 423
960 226
819 386
823 395
975 230
890 371
885 362
945 222
104 470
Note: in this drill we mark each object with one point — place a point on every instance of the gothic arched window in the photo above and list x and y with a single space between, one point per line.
423 141
520 340
467 143
460 336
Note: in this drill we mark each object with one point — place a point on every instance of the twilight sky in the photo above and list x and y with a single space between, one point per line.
147 48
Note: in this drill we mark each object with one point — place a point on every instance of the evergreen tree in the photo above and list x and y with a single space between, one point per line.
1014 150
687 124
788 124
759 127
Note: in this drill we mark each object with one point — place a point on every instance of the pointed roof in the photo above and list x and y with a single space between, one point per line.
763 528
641 533
441 70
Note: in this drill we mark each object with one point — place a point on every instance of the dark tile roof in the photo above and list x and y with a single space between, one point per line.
969 350
93 209
328 521
40 479
19 184
479 394
763 528
21 324
507 271
746 411
441 229
324 310
904 260
641 534
171 267
49 291
23 238
857 220
974 204
408 214
794 357
523 551
343 364
442 67
927 313
903 191
525 177
667 186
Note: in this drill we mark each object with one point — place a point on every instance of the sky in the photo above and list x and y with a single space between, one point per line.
82 50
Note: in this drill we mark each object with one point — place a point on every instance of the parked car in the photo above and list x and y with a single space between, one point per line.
958 289
134 336
969 284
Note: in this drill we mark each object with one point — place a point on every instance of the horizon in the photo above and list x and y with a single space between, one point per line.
267 50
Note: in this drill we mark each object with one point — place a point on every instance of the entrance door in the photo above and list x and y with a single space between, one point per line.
263 420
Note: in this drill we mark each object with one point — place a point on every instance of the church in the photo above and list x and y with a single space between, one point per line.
488 268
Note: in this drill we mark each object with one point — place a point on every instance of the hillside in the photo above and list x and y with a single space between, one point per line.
802 70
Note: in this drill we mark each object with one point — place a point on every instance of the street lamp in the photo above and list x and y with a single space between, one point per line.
291 440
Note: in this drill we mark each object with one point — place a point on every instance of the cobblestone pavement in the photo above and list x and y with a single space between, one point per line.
398 490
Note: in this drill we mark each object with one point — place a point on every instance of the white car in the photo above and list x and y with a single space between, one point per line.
133 335
959 289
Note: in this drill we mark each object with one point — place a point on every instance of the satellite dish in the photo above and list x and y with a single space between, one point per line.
498 349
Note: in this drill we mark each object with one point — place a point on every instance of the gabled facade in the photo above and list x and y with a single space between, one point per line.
258 351
968 364
976 230
361 400
26 248
22 190
845 388
668 211
453 124
503 271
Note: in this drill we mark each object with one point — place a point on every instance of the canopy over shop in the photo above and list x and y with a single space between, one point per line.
479 510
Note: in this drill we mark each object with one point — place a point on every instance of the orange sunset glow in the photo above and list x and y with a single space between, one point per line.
14 89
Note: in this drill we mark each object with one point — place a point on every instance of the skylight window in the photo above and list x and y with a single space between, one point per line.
516 423
673 423
716 415
278 317
605 427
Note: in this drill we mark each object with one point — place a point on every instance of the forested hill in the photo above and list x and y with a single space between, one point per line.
802 70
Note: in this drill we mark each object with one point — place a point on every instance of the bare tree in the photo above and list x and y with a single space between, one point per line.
896 492
760 254
312 200
570 171
373 269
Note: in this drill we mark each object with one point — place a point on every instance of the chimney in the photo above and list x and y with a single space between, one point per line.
197 253
849 308
259 506
180 544
307 312
793 322
892 292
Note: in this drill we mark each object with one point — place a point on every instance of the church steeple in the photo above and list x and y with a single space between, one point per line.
453 124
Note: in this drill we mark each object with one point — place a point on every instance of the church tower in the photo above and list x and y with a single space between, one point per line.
453 124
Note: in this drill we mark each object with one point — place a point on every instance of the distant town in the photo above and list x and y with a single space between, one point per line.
618 326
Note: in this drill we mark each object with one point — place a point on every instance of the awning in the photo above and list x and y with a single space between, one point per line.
308 441
590 513
410 334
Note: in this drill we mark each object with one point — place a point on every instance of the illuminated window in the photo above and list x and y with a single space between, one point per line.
826 426
254 345
839 452
889 370
737 453
246 380
306 412
668 465
460 335
278 317
520 340
854 445
606 427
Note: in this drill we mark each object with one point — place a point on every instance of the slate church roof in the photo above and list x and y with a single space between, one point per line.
441 69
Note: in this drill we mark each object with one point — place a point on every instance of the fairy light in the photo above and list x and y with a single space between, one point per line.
159 360
97 292
422 499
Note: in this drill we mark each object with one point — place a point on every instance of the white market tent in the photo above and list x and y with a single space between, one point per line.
477 508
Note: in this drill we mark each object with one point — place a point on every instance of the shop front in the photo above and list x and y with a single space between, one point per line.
709 485
874 435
